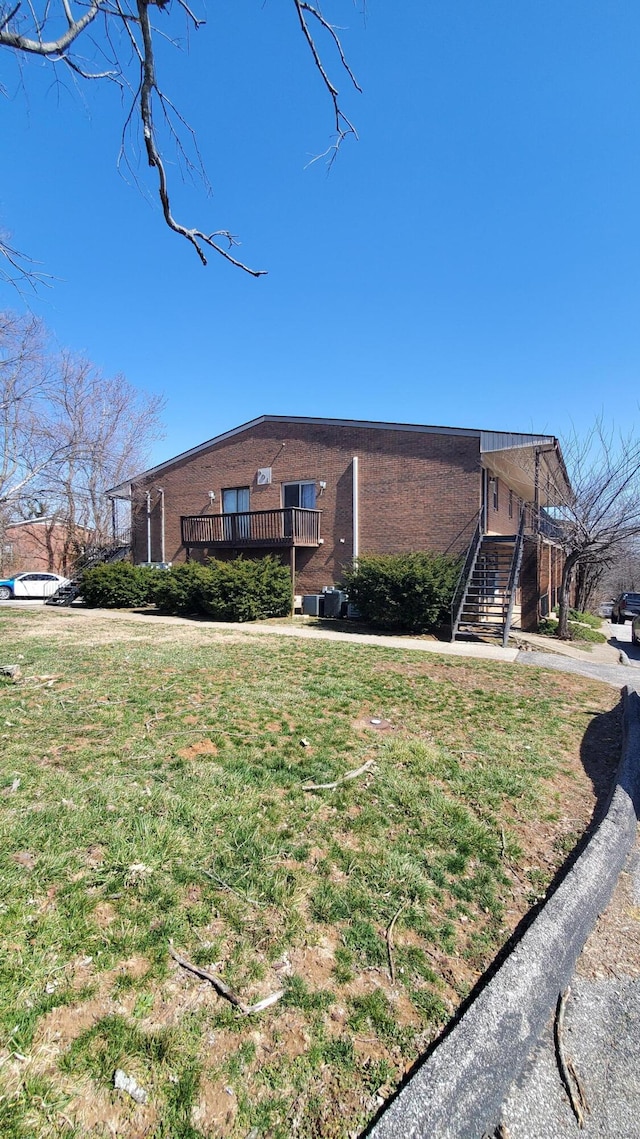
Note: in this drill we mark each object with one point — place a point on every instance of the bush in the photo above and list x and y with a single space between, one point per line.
585 618
179 591
247 590
547 627
117 585
238 590
409 592
578 630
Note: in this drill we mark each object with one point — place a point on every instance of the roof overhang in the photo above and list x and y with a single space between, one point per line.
528 463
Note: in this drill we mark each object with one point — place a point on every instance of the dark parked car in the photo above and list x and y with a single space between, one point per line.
626 605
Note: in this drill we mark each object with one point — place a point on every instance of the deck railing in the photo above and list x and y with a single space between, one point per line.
290 526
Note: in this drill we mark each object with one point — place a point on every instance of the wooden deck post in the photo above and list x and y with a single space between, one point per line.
293 579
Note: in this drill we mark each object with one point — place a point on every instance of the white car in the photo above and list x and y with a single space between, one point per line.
31 585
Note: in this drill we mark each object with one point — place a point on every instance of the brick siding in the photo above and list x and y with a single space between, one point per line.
418 490
39 545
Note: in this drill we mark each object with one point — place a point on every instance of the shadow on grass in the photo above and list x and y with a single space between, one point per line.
326 624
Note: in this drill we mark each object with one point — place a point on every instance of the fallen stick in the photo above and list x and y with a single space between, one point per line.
392 968
578 1102
224 990
225 886
343 778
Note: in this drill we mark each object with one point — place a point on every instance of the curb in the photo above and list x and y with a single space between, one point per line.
458 1091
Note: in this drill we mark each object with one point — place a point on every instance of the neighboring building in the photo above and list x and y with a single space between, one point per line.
321 492
40 544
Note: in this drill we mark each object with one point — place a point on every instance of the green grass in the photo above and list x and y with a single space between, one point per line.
583 627
160 798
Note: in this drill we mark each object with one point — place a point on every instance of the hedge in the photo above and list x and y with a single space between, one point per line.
237 590
118 585
408 592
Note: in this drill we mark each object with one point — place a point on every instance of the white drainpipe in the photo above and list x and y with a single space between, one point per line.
148 525
356 510
161 493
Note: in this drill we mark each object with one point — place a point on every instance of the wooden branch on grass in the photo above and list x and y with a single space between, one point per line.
225 886
577 1098
343 778
224 990
392 967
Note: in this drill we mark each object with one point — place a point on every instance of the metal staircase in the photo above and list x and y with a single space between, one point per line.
484 599
92 556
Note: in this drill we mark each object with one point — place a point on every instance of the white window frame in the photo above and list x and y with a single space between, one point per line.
300 483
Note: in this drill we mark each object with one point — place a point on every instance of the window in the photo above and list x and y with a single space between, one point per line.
299 494
510 504
493 483
235 500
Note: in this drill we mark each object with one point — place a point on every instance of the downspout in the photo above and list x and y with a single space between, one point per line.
148 525
536 512
356 510
162 551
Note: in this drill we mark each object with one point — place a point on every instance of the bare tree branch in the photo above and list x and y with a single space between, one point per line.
55 47
66 432
343 125
32 27
600 514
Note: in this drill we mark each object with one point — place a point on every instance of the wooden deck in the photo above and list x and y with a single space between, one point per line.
290 526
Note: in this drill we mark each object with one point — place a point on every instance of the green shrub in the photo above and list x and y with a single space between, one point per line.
547 627
237 590
410 592
179 591
585 618
117 585
580 632
247 590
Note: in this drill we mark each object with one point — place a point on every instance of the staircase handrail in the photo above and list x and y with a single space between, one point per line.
514 574
466 571
95 555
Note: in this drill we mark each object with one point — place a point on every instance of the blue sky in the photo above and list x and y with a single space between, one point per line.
473 260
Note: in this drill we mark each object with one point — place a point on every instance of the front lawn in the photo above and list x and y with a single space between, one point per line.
153 797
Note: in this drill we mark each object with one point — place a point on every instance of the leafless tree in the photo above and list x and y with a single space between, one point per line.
25 384
106 427
66 432
600 516
115 40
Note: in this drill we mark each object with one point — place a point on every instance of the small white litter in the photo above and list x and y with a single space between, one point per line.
126 1083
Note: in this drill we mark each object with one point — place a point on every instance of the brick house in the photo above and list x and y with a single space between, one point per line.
319 492
46 544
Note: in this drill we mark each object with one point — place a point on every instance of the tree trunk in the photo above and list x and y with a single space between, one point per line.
564 602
